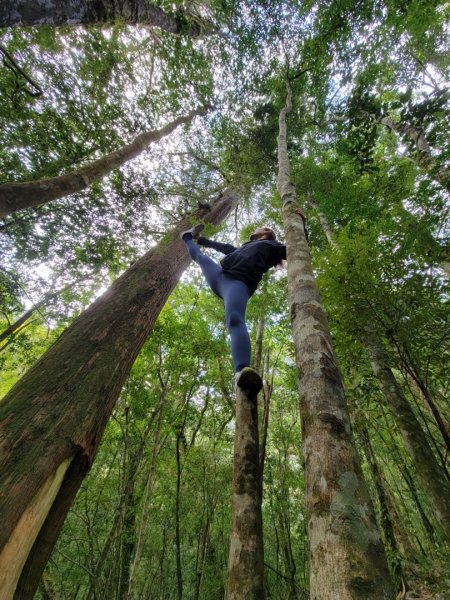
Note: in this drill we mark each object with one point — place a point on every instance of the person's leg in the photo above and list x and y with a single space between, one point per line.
210 269
235 295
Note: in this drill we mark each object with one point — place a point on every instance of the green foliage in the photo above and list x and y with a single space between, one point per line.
349 64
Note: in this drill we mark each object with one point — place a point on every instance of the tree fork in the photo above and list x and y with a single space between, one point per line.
60 407
348 560
18 196
246 557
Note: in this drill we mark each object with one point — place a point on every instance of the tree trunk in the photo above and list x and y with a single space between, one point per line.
323 220
146 508
246 558
387 510
17 196
267 394
55 415
433 479
414 438
425 159
257 354
347 557
76 12
180 435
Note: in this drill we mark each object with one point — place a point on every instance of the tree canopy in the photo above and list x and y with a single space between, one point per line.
369 155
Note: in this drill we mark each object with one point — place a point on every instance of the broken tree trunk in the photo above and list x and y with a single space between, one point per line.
246 558
347 558
56 414
107 12
17 196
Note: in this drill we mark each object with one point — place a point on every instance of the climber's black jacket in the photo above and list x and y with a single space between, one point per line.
249 262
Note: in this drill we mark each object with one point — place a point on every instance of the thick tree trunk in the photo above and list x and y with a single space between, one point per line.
57 412
347 557
267 394
87 12
432 477
17 196
425 159
246 558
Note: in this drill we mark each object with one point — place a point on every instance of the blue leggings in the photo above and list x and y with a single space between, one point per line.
235 295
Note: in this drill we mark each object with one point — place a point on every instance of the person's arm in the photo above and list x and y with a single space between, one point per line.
224 248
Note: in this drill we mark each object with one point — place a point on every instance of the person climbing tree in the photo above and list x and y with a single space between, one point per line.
236 279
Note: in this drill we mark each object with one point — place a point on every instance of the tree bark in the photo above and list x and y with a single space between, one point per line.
87 12
58 411
246 557
347 557
433 479
17 196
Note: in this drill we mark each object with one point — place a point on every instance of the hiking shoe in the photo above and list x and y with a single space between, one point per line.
248 380
194 232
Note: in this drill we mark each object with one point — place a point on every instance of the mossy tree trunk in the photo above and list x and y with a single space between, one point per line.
87 12
57 412
347 558
18 196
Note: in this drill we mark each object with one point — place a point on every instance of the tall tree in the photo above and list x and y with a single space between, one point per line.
17 196
347 556
69 395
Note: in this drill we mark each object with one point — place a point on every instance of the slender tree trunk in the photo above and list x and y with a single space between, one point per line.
425 159
257 353
409 368
146 508
347 557
202 550
267 393
414 438
246 557
76 12
180 434
127 487
55 415
17 196
323 220
387 509
433 479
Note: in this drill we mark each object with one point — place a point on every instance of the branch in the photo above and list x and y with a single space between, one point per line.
17 69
